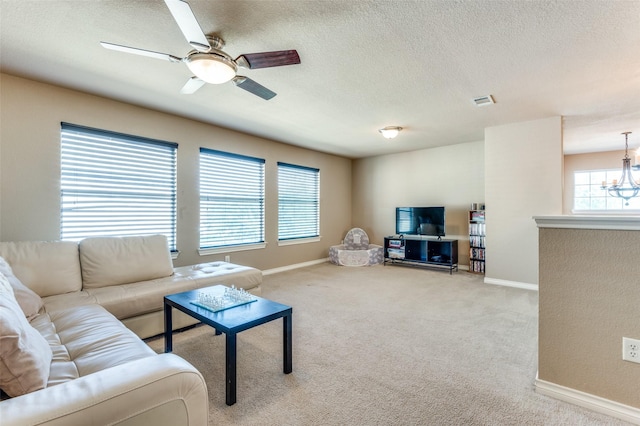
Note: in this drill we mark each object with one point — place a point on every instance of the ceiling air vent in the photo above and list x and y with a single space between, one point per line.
484 100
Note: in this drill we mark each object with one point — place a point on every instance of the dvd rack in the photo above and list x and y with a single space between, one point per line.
477 233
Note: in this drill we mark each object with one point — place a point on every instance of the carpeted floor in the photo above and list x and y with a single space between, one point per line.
385 345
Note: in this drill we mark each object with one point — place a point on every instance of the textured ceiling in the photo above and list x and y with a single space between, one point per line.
365 65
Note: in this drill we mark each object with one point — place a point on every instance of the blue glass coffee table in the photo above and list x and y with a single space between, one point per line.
230 321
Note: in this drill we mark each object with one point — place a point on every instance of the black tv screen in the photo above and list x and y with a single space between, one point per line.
428 221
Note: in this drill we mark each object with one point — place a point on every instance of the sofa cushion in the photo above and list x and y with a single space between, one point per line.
108 261
128 300
46 267
87 339
25 356
68 300
29 301
211 273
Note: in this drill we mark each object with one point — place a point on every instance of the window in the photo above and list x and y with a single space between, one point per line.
231 201
298 202
588 193
116 185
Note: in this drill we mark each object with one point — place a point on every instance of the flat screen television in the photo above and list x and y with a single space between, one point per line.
429 221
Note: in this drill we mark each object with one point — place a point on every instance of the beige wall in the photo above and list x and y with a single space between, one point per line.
31 112
451 176
523 176
590 161
588 302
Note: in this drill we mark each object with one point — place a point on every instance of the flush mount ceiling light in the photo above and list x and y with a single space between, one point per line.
390 132
626 187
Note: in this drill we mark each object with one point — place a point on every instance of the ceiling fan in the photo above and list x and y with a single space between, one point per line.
207 61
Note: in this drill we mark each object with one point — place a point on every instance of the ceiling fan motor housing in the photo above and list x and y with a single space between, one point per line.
215 42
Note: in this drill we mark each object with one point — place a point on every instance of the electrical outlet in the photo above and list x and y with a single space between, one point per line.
227 258
631 350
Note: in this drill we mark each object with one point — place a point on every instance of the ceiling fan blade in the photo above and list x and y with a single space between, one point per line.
252 87
268 59
142 52
192 85
188 24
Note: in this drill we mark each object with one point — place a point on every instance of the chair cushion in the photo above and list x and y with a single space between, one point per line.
25 356
29 302
108 261
353 258
356 250
356 239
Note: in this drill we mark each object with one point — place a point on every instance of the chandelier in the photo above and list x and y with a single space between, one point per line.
626 187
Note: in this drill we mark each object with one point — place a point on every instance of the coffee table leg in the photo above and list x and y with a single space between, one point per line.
287 343
231 368
168 329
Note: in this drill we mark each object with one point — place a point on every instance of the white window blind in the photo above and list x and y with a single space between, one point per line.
116 185
298 202
231 199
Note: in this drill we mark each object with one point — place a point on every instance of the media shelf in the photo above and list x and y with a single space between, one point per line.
477 232
420 251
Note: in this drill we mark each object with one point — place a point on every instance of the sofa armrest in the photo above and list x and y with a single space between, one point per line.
158 390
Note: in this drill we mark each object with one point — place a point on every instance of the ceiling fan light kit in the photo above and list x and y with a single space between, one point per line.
390 132
208 62
211 67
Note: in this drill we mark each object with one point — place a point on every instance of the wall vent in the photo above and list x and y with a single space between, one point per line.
484 100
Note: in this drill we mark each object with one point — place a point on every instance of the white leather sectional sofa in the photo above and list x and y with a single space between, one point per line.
89 304
127 276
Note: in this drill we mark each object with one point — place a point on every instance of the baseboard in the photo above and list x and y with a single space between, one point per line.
494 281
506 283
294 266
588 401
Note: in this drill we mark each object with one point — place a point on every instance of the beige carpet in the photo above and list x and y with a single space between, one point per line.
385 345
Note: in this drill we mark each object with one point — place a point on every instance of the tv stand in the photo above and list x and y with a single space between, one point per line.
420 251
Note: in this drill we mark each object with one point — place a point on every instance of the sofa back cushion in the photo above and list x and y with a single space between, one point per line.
107 261
46 267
